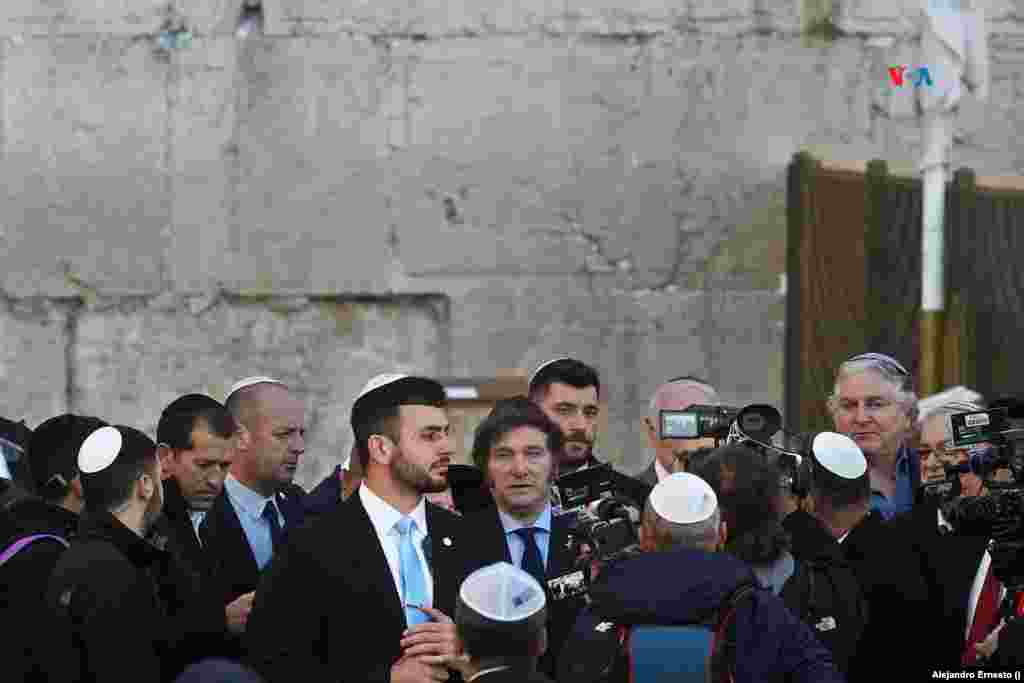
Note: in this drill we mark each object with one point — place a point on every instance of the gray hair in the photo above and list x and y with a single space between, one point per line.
946 410
689 382
889 369
673 535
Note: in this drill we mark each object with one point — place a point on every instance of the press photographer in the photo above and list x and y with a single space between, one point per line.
671 454
682 580
995 632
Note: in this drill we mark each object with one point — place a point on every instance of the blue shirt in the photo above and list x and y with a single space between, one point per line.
248 507
516 547
907 478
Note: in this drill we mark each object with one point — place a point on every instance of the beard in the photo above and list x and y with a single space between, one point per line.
577 450
416 477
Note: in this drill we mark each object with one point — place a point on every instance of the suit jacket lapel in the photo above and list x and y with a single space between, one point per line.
561 554
231 543
369 561
447 555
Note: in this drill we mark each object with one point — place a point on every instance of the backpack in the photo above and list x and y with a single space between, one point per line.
825 594
611 653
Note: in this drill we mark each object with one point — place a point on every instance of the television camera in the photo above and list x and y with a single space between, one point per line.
998 460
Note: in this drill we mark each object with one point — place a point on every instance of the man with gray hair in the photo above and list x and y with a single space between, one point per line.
873 402
955 565
672 455
681 577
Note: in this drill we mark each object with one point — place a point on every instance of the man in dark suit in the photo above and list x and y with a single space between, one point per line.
514 449
195 438
673 455
259 503
384 564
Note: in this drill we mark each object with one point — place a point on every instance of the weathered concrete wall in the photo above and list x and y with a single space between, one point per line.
454 187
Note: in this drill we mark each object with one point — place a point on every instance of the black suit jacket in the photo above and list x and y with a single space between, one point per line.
948 563
897 595
649 476
230 560
489 534
327 609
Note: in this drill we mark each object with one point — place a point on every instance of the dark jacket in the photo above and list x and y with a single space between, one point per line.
890 578
686 587
231 562
23 582
489 535
325 496
513 675
109 613
201 611
327 609
811 541
949 564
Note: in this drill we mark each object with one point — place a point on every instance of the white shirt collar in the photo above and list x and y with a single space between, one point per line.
843 537
511 523
384 516
660 470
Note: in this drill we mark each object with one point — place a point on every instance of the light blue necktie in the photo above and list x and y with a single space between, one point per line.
414 589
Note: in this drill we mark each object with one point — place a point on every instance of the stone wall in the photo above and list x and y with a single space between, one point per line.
451 187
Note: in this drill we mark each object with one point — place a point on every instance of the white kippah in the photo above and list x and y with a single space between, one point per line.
683 498
380 381
502 592
249 381
840 455
99 450
544 365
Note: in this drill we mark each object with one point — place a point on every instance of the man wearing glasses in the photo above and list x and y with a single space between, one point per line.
874 403
956 566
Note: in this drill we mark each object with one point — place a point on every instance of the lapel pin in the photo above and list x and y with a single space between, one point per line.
447 542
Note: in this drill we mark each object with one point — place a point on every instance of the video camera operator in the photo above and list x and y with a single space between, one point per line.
674 454
681 578
949 562
994 633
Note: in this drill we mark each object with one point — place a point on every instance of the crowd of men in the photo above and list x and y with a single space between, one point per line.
195 557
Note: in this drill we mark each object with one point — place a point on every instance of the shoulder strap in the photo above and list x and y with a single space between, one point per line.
15 547
723 643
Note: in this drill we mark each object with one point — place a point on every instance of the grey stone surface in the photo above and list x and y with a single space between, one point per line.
33 378
132 359
457 187
84 155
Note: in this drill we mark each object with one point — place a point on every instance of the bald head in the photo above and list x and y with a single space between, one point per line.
680 394
249 403
272 436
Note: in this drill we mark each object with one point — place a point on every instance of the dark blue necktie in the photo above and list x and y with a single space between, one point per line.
532 563
270 514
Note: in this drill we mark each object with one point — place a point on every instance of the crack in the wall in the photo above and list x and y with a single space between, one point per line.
71 322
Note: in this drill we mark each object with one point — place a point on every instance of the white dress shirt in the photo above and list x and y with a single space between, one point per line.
197 517
979 582
384 517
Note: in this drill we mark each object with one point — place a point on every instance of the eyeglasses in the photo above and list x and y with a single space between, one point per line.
874 405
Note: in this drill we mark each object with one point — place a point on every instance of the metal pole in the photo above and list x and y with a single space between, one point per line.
932 281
